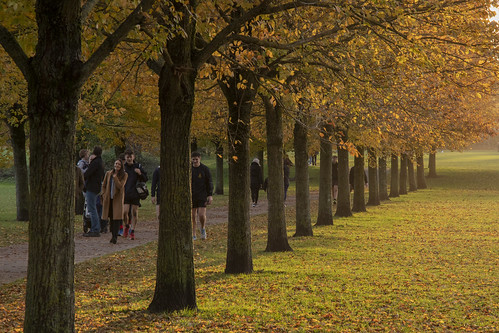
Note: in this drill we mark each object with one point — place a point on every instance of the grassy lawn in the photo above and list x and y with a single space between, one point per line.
426 261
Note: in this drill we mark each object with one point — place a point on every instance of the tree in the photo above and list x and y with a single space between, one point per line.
394 176
55 75
359 203
374 192
325 214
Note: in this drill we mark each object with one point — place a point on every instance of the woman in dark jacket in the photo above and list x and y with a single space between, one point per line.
256 180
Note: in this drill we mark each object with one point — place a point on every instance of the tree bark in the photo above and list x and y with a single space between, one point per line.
325 213
394 176
343 208
303 219
219 188
359 203
277 239
403 174
18 139
411 174
383 182
432 165
373 179
420 171
260 156
175 282
240 102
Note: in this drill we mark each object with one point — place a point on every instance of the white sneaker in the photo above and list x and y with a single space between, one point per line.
194 237
254 204
203 233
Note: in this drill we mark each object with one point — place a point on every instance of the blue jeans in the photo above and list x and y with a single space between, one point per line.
92 209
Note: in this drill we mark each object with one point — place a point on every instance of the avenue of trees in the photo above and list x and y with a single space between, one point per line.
392 80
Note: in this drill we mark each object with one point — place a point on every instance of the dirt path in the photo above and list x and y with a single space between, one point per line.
14 259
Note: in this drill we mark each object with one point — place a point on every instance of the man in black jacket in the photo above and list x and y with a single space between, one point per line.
132 200
93 182
202 193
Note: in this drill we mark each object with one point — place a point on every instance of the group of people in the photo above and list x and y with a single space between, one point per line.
115 190
257 182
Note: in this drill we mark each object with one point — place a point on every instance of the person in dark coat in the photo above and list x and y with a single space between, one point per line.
286 165
351 178
256 180
132 200
155 190
93 182
202 193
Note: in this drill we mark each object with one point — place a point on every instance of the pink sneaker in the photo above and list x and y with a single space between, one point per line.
125 234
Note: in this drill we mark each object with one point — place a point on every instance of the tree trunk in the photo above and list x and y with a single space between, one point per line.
277 239
240 102
325 213
420 171
383 182
373 179
18 139
432 165
53 94
175 283
359 203
403 174
411 174
394 176
303 219
219 188
343 208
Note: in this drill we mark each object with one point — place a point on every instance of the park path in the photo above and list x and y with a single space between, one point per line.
14 258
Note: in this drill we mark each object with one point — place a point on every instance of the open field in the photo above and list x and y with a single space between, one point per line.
427 261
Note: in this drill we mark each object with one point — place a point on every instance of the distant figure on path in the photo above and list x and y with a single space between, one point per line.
202 193
93 181
256 180
155 190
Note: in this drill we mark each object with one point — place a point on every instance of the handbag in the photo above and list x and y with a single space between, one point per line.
142 190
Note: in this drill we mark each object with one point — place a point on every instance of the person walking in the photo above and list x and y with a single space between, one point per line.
93 181
202 193
335 178
256 180
287 163
155 190
132 200
113 197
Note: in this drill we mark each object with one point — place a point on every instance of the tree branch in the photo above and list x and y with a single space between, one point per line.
112 41
15 51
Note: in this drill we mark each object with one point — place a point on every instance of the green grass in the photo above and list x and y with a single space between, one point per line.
424 262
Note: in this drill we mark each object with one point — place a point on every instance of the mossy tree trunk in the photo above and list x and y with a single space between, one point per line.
303 219
277 239
240 98
343 208
420 171
359 201
18 140
219 187
394 176
325 213
373 179
175 282
383 181
411 174
432 164
403 174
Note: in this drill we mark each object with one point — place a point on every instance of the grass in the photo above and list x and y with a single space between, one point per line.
426 261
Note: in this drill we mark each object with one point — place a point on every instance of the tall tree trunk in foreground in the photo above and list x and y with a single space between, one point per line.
373 179
325 213
303 219
343 208
240 99
219 188
383 182
277 239
420 171
260 156
403 174
175 282
18 139
359 203
394 176
411 174
432 164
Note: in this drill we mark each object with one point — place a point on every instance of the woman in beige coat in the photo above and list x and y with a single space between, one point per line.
113 195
